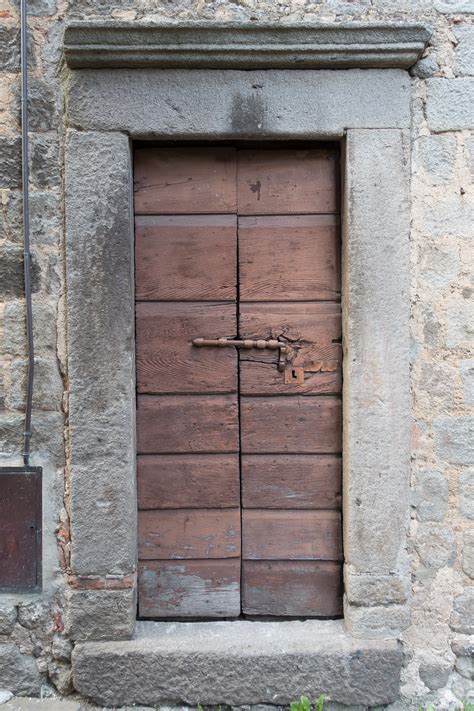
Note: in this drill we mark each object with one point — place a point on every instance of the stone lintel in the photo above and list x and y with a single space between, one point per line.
221 105
215 45
238 663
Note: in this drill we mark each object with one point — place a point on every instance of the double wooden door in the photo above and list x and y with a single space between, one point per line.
239 448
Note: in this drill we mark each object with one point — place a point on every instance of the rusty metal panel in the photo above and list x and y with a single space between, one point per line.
20 529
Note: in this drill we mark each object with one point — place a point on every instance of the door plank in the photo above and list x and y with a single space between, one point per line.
289 258
261 378
315 329
292 588
299 425
189 533
185 180
295 482
280 182
291 535
195 588
312 333
187 423
167 361
186 257
181 481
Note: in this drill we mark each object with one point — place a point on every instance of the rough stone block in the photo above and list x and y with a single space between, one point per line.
465 667
47 439
48 390
431 496
435 546
370 590
42 106
8 615
45 217
237 663
450 214
18 672
10 161
462 617
464 53
450 104
9 49
466 493
467 376
434 671
100 614
44 160
468 552
380 622
11 272
454 439
41 7
460 325
426 67
61 648
60 674
79 8
439 264
437 156
33 614
453 6
44 327
463 688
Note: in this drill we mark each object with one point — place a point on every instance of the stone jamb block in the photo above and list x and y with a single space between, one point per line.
106 106
100 305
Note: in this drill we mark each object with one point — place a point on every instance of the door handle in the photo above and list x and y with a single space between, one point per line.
246 343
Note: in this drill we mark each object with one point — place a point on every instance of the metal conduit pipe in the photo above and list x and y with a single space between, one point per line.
26 231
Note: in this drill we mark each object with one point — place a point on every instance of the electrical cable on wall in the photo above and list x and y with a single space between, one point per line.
26 232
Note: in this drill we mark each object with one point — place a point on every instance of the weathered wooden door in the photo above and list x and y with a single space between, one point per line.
239 448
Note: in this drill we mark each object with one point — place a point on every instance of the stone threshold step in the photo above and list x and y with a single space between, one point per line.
238 663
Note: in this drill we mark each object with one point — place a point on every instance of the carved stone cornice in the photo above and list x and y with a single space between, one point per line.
213 45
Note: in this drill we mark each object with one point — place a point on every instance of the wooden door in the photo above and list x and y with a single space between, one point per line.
239 462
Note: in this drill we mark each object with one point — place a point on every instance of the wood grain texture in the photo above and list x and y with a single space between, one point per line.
289 258
190 533
298 425
312 332
291 482
195 588
287 181
187 423
291 535
292 588
186 257
185 180
262 378
167 361
188 481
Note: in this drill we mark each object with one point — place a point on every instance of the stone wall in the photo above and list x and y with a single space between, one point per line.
34 651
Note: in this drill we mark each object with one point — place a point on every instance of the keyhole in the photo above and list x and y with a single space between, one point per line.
294 374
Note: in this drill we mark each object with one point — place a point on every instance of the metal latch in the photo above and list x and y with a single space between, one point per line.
247 343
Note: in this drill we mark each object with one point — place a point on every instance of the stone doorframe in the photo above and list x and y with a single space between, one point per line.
211 82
